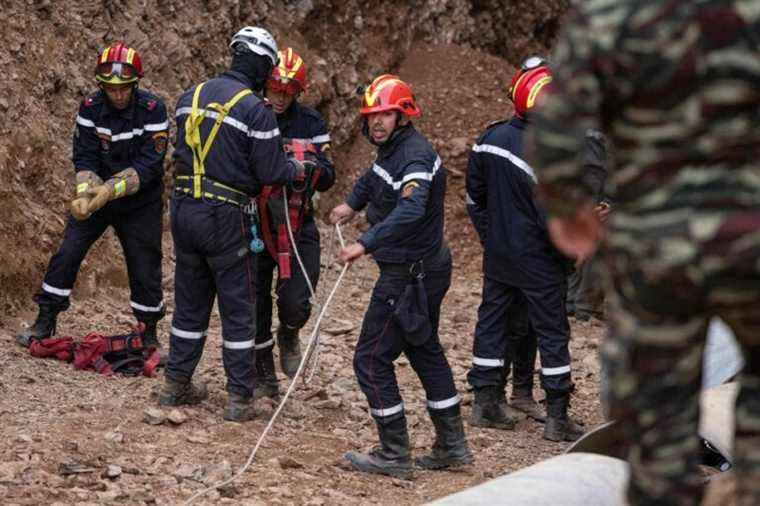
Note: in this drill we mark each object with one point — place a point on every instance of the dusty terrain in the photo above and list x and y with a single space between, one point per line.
54 418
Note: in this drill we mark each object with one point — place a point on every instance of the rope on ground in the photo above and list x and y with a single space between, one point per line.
291 387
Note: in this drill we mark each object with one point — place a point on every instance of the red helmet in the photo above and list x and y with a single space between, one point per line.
118 64
528 83
387 93
289 75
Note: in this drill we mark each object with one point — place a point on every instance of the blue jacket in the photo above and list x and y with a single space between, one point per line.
501 204
405 190
307 125
247 151
107 141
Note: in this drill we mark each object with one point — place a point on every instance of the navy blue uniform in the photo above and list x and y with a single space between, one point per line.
404 191
518 258
107 141
520 355
299 123
211 237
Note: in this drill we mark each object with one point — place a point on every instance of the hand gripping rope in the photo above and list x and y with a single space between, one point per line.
313 339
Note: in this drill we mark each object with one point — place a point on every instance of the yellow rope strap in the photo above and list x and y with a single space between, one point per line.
193 132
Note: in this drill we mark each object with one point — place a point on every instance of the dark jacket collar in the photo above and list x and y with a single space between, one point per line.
518 122
398 136
238 76
284 119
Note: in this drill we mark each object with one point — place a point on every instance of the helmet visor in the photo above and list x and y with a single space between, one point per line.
283 85
110 70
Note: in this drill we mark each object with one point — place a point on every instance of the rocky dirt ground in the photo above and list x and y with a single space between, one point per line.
71 437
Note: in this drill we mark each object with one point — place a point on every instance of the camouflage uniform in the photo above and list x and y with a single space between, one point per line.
585 295
675 85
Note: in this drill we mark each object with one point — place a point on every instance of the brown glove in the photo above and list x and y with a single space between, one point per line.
79 208
101 195
123 183
86 181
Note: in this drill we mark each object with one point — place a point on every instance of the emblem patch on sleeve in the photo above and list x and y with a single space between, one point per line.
159 141
408 189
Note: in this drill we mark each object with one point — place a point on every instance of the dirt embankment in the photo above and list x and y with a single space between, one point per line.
50 48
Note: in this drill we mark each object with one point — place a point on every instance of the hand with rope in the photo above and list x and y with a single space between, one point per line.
351 252
342 213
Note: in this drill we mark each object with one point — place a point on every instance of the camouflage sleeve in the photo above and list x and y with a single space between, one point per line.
570 109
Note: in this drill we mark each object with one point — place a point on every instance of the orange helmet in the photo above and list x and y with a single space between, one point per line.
118 64
289 75
528 82
387 93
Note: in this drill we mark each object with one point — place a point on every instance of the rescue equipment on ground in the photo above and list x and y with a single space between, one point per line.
124 354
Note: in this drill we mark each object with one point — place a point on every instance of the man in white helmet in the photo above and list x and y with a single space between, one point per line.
228 146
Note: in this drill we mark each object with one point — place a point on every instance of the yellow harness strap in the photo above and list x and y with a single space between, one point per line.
193 132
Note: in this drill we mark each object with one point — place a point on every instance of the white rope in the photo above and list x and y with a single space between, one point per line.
295 248
291 387
313 299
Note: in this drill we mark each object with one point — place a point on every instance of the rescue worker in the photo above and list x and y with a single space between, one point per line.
301 127
682 245
518 260
228 146
118 153
404 195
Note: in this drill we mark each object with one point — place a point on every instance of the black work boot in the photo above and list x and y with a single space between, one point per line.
290 349
450 447
150 340
559 427
488 411
523 401
266 379
391 458
149 337
42 328
239 409
505 406
176 393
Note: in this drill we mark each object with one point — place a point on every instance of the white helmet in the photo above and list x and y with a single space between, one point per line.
257 40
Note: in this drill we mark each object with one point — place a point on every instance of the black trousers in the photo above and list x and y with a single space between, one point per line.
213 262
293 296
382 341
548 319
139 232
520 355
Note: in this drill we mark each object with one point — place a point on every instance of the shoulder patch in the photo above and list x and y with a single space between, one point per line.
93 99
149 102
408 189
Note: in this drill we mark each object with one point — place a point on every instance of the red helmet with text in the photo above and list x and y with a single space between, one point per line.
530 80
118 64
387 93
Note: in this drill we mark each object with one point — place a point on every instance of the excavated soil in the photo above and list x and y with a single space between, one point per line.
61 429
